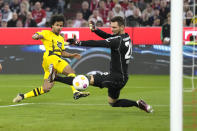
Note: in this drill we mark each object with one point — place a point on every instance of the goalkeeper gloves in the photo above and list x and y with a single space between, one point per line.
72 41
92 26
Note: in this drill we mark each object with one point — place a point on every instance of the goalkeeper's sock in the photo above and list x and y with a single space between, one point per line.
72 87
66 80
124 103
34 92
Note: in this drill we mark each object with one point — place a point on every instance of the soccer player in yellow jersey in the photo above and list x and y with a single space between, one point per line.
54 45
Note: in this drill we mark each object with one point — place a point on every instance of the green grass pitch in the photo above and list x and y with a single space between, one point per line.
57 111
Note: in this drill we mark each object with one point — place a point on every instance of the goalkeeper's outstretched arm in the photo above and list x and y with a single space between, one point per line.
102 34
99 32
93 43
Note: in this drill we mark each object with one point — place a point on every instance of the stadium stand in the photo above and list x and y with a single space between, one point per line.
136 12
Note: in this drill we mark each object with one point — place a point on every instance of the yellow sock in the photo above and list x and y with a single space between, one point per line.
34 92
73 89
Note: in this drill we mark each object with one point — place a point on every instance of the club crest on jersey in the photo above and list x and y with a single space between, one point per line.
59 44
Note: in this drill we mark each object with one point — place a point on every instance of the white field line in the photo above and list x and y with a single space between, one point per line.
61 86
70 104
15 105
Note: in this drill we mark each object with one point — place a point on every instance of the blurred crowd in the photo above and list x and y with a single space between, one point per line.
37 13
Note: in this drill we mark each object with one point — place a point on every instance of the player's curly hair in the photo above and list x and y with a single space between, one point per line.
118 19
56 18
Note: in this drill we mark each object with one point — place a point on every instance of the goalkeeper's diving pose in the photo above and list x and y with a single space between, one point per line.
121 49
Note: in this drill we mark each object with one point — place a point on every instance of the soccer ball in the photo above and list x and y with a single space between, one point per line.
80 82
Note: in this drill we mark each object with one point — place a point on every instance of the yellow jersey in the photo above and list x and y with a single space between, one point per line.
54 44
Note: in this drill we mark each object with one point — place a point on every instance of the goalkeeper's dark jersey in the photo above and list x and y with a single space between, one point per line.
121 50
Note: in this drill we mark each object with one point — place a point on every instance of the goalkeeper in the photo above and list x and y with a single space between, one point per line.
121 50
54 45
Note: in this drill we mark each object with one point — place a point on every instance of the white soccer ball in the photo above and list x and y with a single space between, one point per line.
80 82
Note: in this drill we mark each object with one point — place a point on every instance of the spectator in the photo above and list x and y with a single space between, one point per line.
156 22
85 10
135 20
189 17
103 11
155 16
156 4
30 22
69 23
164 9
149 10
49 13
19 23
0 18
186 7
6 13
12 22
141 5
145 20
23 12
130 9
79 20
110 4
165 32
54 5
15 6
124 5
39 15
95 16
109 17
67 4
85 24
3 23
93 5
117 10
60 6
26 3
1 5
32 2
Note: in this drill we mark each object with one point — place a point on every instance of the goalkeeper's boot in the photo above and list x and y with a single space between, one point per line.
18 98
78 95
52 73
143 106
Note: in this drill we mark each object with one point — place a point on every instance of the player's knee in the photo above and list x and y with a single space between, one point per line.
46 90
68 70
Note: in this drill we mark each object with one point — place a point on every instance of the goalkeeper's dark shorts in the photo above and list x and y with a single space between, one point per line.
114 83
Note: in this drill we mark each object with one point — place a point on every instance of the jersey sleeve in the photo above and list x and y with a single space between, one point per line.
43 33
102 34
111 42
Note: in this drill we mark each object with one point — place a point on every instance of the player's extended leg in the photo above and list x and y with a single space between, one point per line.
113 100
70 74
35 92
129 103
114 87
38 91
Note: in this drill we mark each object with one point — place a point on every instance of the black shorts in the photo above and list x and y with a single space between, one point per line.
113 82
